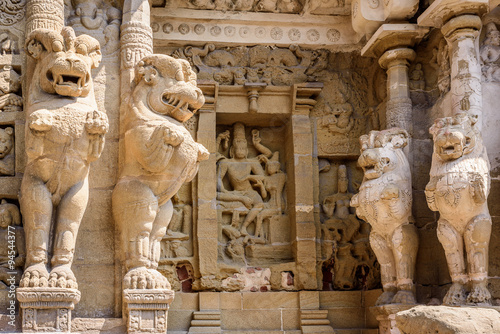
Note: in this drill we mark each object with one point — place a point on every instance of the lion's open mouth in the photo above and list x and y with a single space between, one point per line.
67 80
176 102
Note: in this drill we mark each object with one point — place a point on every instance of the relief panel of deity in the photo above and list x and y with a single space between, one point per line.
251 202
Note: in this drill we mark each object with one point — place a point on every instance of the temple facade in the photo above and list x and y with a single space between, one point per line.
270 166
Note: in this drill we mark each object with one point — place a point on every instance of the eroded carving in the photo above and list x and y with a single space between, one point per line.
258 64
98 18
10 85
160 155
384 201
444 71
490 53
12 249
349 262
11 11
458 189
417 78
64 133
7 157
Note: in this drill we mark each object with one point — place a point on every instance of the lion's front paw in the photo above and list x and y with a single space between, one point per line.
35 275
479 294
203 153
390 192
455 296
404 297
171 137
143 278
97 122
62 277
41 121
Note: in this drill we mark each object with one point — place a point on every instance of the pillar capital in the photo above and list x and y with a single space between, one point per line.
395 57
463 25
441 11
393 36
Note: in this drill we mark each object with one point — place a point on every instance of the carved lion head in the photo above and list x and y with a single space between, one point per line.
454 136
381 151
64 61
170 86
6 141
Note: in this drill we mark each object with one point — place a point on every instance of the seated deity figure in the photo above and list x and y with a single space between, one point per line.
245 176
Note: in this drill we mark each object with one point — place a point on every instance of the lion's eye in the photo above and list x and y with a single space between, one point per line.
179 76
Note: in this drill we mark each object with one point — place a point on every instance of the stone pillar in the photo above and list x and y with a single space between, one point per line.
43 308
302 195
398 112
136 39
207 227
146 310
392 44
461 33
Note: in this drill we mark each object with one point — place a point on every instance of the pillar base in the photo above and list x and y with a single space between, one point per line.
386 316
147 309
47 309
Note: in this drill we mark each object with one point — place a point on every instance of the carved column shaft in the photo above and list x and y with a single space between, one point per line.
396 62
136 39
43 14
461 33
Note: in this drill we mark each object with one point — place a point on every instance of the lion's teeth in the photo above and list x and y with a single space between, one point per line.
60 79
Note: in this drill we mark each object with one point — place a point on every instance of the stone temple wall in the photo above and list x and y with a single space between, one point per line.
196 166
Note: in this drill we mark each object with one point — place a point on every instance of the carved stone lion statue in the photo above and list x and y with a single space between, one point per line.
458 188
64 133
160 155
384 201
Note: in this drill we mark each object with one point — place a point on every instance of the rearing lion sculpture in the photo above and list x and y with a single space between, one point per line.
384 201
458 189
64 133
160 155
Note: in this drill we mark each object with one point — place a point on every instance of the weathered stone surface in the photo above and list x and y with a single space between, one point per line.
448 320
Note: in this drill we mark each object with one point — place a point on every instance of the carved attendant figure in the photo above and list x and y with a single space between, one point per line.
10 220
7 158
160 155
458 189
384 200
64 133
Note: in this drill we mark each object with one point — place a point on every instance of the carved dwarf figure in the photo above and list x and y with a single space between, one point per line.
12 250
64 133
384 200
10 83
7 157
458 189
160 155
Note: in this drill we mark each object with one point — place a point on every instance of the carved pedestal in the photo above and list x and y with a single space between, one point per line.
386 316
147 309
47 309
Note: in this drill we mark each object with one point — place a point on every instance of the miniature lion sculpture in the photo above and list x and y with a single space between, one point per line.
384 201
64 133
160 155
458 188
